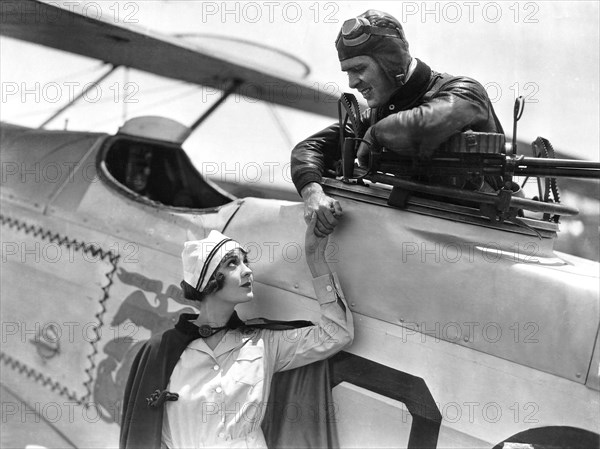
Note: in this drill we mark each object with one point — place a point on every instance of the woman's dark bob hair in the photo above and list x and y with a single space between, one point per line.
215 283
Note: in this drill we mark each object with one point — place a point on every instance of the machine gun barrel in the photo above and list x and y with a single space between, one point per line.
491 164
562 163
532 166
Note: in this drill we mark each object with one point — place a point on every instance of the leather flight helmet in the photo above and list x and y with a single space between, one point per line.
378 35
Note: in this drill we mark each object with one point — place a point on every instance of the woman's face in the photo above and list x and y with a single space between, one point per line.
237 285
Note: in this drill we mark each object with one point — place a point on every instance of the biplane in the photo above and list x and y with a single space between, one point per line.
471 330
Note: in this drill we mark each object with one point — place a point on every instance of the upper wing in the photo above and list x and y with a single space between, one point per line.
141 49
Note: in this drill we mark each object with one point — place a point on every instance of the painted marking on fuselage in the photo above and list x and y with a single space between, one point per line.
406 388
113 370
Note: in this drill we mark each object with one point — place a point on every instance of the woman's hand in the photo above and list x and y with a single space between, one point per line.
314 247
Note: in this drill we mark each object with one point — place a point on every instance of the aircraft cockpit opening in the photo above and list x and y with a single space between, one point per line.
157 172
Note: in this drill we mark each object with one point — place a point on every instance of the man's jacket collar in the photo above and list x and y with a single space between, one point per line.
407 95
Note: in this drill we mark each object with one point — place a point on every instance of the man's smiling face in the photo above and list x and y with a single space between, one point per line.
365 75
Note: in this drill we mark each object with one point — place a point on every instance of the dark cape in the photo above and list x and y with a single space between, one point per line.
299 409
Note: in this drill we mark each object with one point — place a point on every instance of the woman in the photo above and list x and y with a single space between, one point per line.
206 383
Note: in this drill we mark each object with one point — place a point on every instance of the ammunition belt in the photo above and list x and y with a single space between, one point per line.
474 142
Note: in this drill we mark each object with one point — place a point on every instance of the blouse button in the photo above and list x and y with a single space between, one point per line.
392 107
216 367
221 435
328 288
218 389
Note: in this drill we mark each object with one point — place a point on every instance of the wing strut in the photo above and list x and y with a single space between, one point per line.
77 97
231 87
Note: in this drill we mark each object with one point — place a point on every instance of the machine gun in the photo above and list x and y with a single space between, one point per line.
467 157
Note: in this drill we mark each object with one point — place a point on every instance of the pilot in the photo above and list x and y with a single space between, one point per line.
412 109
138 173
138 169
206 383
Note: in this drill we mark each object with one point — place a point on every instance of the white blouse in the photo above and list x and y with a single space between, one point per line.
223 393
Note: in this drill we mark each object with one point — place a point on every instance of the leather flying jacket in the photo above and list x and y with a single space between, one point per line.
419 117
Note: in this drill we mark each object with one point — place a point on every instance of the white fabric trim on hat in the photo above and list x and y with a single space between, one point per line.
202 257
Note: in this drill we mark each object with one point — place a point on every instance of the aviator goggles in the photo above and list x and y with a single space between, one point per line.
358 30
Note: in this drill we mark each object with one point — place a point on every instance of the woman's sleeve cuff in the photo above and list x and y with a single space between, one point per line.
327 288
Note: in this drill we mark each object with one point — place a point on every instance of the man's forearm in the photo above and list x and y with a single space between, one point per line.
460 105
311 157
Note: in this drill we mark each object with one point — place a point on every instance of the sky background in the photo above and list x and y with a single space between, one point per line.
546 51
